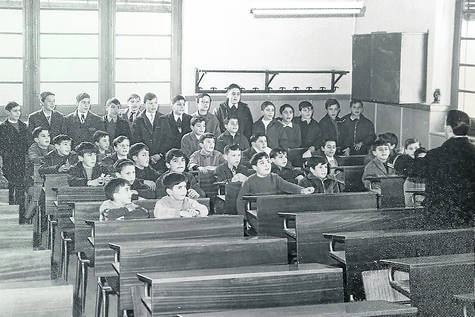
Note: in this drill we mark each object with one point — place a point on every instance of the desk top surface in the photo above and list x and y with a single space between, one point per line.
408 263
387 233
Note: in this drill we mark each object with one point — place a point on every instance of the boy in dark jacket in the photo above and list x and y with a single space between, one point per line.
61 158
86 172
357 131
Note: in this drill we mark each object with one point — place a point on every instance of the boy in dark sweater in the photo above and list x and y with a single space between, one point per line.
357 131
140 154
318 176
61 158
310 132
87 172
232 170
125 168
282 167
121 150
291 129
231 136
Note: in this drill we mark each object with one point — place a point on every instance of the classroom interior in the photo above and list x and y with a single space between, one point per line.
342 263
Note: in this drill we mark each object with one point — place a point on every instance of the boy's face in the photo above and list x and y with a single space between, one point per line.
329 149
179 107
320 171
123 195
127 173
88 159
50 103
411 148
142 159
333 111
84 105
204 104
287 115
122 148
306 113
260 144
134 104
233 158
232 126
63 148
280 160
356 109
14 113
263 167
151 106
177 165
207 144
113 110
43 139
381 153
103 143
178 191
268 112
199 128
234 96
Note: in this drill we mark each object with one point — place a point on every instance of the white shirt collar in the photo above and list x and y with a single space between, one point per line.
150 116
176 117
287 124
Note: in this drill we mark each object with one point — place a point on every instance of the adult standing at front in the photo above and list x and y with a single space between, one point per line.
449 173
47 116
81 124
15 140
233 107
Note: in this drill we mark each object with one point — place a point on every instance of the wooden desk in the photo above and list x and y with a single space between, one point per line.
434 280
468 302
392 190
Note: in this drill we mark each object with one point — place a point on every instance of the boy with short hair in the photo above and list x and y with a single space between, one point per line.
61 158
102 142
311 134
121 150
125 168
282 167
330 124
86 172
113 123
175 161
231 135
232 170
207 159
203 103
38 150
264 182
292 131
357 131
119 205
174 125
318 176
176 204
258 145
47 116
190 143
377 167
133 109
139 153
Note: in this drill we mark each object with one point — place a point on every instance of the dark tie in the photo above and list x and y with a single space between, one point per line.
178 124
83 119
131 117
48 118
234 170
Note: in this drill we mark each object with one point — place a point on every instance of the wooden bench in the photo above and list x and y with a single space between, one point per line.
265 218
242 287
353 309
363 249
179 255
434 280
309 226
392 191
352 160
353 174
47 205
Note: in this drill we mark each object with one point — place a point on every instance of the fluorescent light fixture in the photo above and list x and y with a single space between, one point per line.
313 9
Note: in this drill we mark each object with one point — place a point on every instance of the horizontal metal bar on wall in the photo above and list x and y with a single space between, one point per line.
143 82
467 91
275 71
11 57
142 35
11 33
11 82
68 82
58 57
467 38
466 65
143 58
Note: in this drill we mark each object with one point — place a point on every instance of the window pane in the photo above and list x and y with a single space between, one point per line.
146 46
12 20
140 70
467 78
122 91
11 70
11 92
468 28
61 21
69 69
143 23
467 52
69 46
66 93
467 103
11 45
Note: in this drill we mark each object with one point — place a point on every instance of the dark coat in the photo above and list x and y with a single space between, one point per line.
53 161
78 177
126 117
449 173
355 131
170 136
38 119
121 128
80 132
242 113
331 129
14 146
310 132
275 134
227 139
147 132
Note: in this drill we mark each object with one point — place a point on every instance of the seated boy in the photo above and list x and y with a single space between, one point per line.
61 158
140 154
175 161
232 171
125 168
207 159
231 136
87 172
119 205
264 182
258 145
318 176
190 143
102 142
282 167
377 167
176 204
121 150
203 103
38 150
292 130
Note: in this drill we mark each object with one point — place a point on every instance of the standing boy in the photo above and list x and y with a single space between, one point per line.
330 123
310 132
357 131
174 125
47 116
203 103
113 123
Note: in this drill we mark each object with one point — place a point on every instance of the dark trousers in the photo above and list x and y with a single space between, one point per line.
16 196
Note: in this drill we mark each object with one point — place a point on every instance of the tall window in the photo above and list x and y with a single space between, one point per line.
143 53
11 55
69 52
